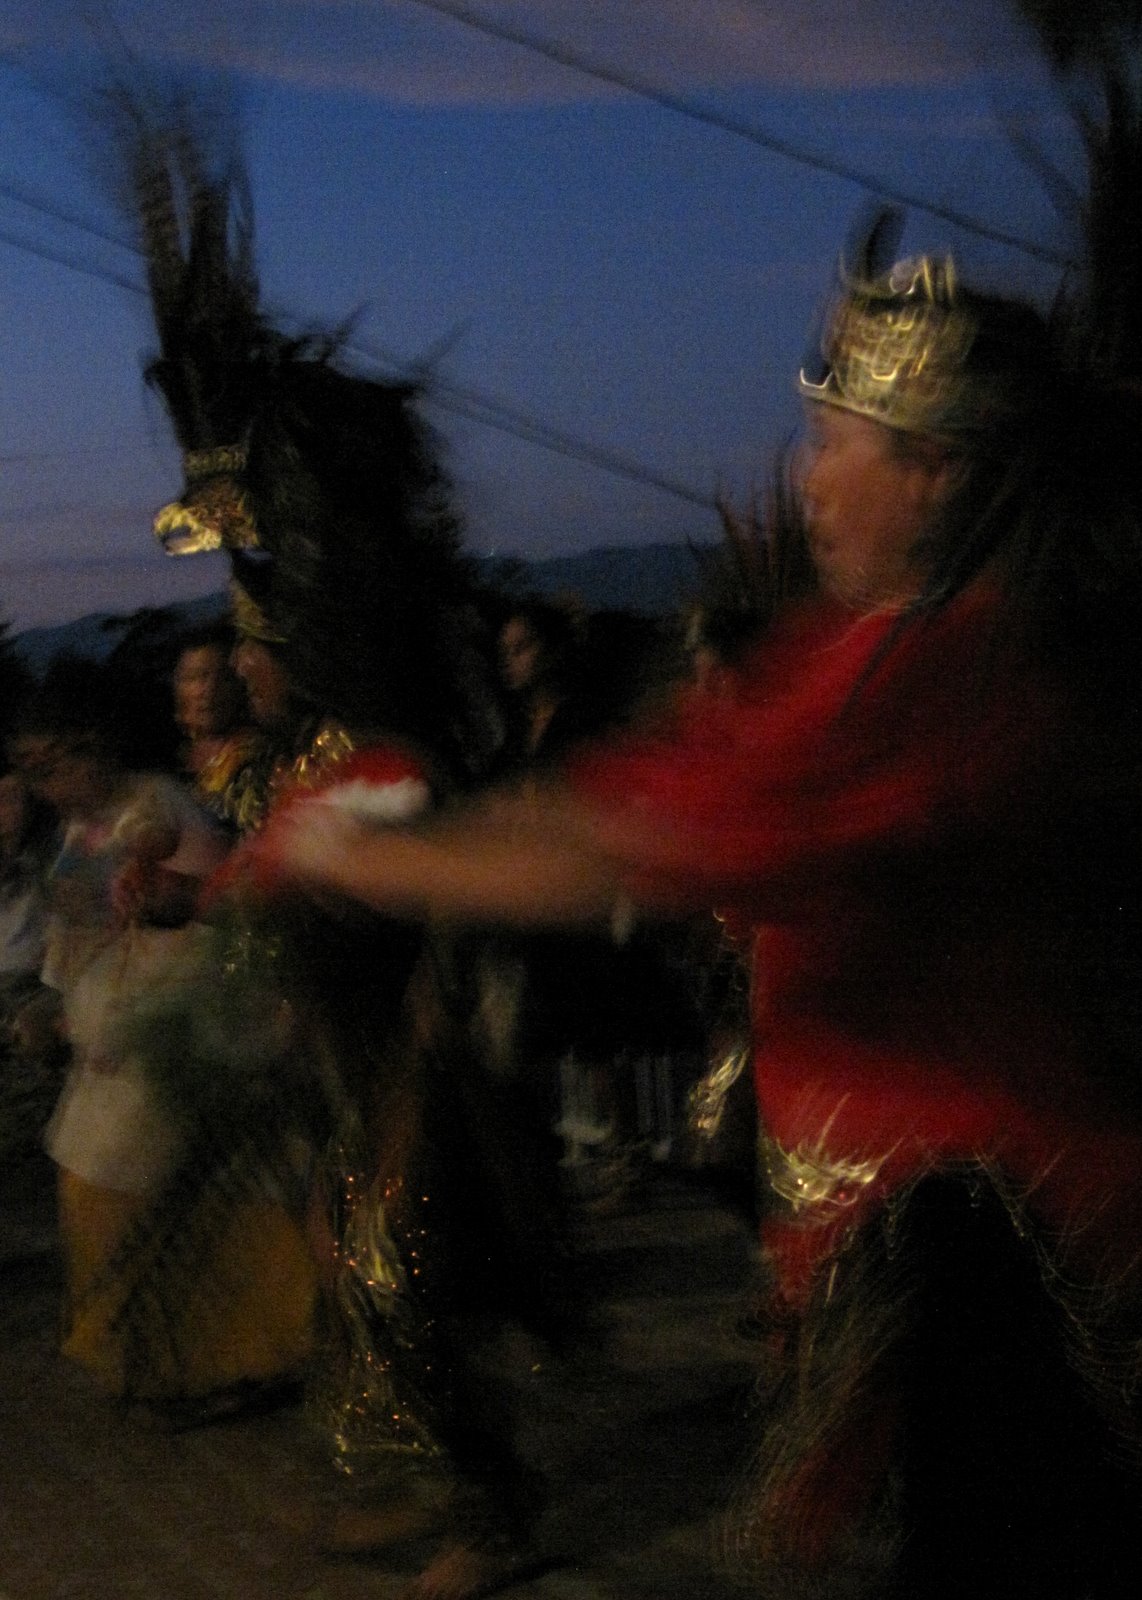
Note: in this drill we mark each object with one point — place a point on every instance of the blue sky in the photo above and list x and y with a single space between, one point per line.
634 279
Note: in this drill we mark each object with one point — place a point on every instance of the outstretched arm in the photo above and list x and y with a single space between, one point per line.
531 862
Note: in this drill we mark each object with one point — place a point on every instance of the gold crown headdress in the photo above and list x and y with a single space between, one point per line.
896 349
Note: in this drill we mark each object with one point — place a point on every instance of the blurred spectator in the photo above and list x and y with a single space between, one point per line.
540 666
597 1027
136 848
31 1047
27 836
209 699
212 713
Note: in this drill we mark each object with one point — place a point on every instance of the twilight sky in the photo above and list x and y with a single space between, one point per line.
580 260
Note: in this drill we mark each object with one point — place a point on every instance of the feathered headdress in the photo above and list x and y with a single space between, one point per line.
1095 53
325 486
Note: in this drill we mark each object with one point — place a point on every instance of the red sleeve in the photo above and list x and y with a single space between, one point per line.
376 765
378 784
841 739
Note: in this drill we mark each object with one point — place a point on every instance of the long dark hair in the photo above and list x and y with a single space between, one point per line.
1053 497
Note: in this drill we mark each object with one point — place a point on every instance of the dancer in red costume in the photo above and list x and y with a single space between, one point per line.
920 795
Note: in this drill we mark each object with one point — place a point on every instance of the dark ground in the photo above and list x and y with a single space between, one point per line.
643 1447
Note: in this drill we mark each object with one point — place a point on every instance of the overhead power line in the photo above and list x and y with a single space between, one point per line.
458 399
12 189
565 56
64 258
490 411
496 413
24 458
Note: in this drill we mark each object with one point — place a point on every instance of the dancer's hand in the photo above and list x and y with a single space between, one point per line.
144 891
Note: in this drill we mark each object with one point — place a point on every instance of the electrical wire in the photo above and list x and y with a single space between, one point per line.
564 56
486 410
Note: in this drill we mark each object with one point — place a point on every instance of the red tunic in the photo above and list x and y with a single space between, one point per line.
378 784
925 834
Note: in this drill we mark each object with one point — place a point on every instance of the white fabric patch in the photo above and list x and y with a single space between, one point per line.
379 803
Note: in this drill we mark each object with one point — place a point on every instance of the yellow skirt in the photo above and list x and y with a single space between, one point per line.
249 1318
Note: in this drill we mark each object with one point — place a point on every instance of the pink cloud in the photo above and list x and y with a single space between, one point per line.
406 52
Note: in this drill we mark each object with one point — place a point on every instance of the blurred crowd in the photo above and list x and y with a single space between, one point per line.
159 759
132 933
156 760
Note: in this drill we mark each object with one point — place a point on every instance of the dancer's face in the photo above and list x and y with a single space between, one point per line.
869 496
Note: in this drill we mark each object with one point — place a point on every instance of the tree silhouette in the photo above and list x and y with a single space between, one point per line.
15 679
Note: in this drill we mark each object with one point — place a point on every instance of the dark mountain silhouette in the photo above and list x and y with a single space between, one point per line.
653 580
